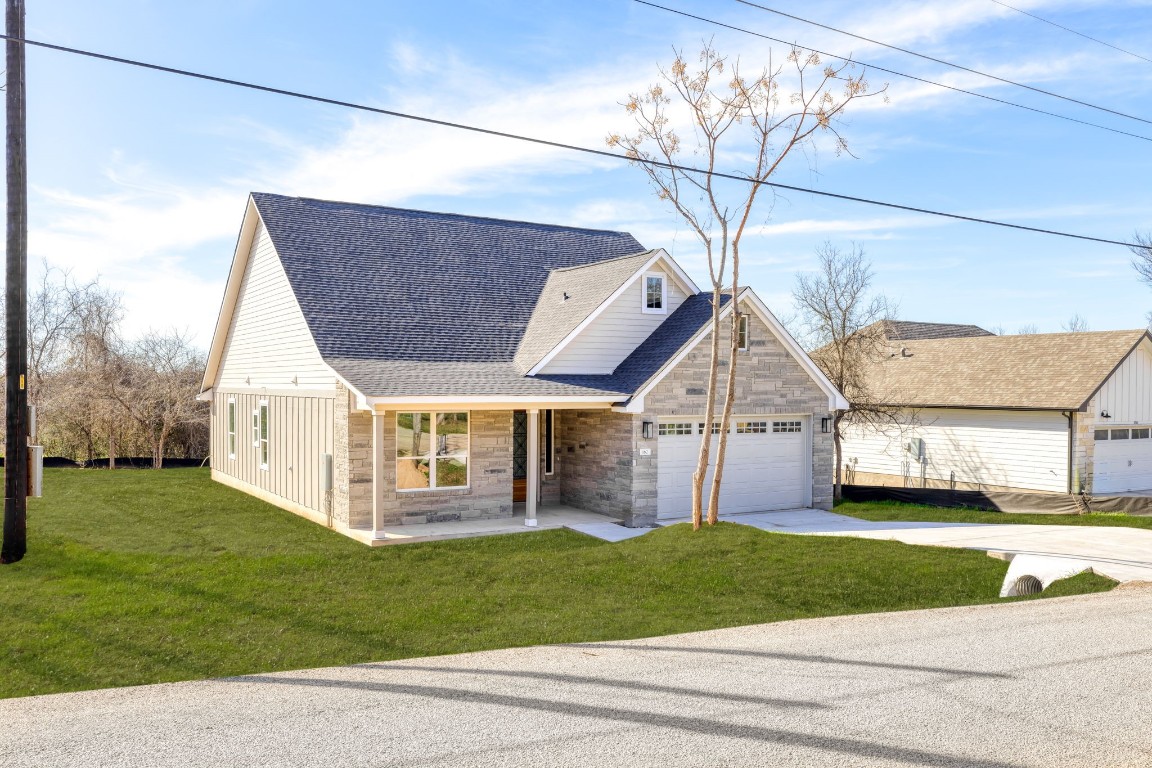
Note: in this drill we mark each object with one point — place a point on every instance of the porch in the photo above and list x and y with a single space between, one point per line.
548 516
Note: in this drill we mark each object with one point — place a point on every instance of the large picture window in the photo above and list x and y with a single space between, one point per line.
431 450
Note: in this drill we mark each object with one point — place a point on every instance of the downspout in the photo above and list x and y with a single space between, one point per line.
1071 434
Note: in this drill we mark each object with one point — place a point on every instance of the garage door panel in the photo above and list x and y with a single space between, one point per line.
762 470
1122 465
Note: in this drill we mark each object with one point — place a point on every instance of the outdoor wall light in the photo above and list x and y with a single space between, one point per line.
1105 415
825 425
646 430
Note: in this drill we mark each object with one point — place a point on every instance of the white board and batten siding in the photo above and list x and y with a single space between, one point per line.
1124 463
1011 449
1127 394
299 431
269 344
618 329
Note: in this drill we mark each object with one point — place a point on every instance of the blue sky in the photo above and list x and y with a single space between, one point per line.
141 177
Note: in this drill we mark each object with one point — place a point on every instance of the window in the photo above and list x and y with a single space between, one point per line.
262 434
231 427
751 427
431 451
1101 434
785 426
677 428
742 333
715 427
655 295
1140 434
1119 434
549 443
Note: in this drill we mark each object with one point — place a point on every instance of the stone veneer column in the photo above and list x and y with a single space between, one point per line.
351 462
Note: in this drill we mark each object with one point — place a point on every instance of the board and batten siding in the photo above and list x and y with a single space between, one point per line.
1003 449
1127 394
618 330
269 344
299 431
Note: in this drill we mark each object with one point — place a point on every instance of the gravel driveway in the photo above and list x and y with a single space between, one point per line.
1062 682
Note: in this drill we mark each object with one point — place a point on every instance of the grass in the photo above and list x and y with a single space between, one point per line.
137 576
885 511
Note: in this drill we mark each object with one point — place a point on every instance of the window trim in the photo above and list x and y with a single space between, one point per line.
230 423
663 308
264 451
742 332
432 455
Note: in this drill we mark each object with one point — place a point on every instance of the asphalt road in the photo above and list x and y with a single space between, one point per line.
1063 682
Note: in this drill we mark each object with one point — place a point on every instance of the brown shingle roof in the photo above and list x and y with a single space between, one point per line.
907 330
1059 371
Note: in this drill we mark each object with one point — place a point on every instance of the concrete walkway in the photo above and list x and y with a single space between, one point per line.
1123 554
1063 682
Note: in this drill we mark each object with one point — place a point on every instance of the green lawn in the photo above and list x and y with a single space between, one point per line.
135 576
883 510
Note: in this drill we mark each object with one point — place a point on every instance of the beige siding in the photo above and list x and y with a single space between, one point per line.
1127 395
618 330
1001 449
269 344
300 429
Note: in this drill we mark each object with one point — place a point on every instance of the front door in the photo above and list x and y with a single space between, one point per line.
519 456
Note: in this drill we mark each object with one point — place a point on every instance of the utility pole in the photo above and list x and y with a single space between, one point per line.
16 287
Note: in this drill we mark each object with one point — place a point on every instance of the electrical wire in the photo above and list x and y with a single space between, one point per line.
1069 29
899 74
960 67
550 143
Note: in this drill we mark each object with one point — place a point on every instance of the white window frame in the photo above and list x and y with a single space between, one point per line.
231 417
433 441
663 308
263 449
742 333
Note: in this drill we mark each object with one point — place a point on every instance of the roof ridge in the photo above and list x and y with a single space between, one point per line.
437 213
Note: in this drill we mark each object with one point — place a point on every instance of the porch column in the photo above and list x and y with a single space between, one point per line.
377 454
533 479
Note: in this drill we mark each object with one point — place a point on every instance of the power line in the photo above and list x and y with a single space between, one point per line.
899 74
946 63
1069 29
554 144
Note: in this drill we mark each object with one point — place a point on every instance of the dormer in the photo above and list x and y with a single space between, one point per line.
590 318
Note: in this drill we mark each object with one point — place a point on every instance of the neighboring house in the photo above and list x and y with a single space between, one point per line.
374 366
1059 412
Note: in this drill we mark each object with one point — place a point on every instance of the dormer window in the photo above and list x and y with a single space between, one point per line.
655 294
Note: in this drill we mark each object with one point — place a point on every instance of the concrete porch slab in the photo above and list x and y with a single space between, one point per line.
547 518
613 532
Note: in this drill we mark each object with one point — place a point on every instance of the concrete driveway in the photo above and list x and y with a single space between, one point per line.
1062 682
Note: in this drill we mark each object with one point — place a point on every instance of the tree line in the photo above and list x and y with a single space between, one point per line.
99 395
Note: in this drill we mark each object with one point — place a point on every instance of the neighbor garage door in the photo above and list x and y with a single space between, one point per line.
765 466
1123 460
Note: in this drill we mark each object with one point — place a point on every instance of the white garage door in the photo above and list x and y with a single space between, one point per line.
1123 460
765 466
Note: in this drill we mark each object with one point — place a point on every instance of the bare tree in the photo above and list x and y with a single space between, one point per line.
1028 330
847 326
154 383
1075 324
1142 252
711 112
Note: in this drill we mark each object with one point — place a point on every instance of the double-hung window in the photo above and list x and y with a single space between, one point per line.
431 450
262 433
655 294
231 427
742 333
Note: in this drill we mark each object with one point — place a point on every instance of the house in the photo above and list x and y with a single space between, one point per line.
374 366
1057 412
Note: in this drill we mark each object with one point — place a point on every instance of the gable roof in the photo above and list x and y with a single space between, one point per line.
907 330
1051 371
568 298
379 283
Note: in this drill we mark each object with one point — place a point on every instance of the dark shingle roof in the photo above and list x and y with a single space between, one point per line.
906 330
390 284
405 378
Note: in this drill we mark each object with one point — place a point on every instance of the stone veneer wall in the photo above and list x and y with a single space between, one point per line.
769 381
600 470
1084 448
351 463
